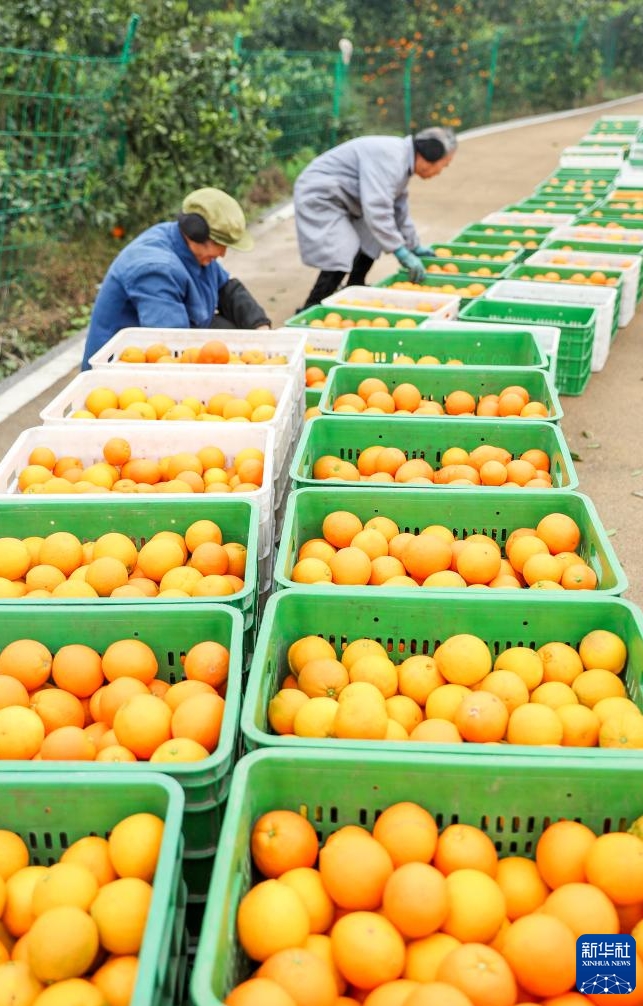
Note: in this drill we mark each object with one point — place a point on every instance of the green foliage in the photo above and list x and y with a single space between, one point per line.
297 25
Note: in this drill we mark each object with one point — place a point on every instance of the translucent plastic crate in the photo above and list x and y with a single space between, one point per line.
276 342
630 266
179 385
591 157
436 305
601 298
570 275
148 440
527 219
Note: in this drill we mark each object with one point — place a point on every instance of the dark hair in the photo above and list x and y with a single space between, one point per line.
434 143
194 227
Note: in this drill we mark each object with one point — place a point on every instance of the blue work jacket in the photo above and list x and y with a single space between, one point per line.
155 282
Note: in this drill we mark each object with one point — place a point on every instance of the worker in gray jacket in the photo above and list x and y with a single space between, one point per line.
351 203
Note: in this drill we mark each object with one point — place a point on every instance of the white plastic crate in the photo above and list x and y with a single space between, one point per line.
442 305
528 219
323 342
276 342
179 386
149 440
629 265
591 157
602 298
594 230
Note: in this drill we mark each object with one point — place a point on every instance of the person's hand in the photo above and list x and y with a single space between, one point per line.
424 251
411 263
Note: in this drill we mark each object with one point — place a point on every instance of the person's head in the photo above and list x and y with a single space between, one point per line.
211 221
434 149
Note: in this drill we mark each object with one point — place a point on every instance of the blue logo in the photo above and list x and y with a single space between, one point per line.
605 964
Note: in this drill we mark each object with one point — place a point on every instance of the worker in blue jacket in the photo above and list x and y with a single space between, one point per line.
170 275
352 203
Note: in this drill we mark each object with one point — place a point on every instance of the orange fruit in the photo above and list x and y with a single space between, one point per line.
523 887
199 718
415 899
367 949
437 994
134 845
340 527
131 658
560 532
308 884
354 869
581 726
120 912
14 855
481 717
351 566
21 733
68 743
524 662
63 550
561 662
142 723
27 660
208 662
603 648
476 906
271 917
304 975
57 708
481 973
463 846
116 979
408 832
508 686
63 943
12 692
534 723
463 659
425 554
423 956
541 952
112 696
561 852
582 907
77 668
259 992
614 863
92 852
418 676
64 884
283 840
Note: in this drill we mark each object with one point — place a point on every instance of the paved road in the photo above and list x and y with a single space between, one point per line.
603 426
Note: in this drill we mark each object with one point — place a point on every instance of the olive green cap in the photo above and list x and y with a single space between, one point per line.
223 215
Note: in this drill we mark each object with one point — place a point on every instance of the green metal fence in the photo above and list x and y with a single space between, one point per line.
53 119
408 84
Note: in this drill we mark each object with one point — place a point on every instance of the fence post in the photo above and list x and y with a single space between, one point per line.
408 100
579 32
338 88
493 66
236 49
126 54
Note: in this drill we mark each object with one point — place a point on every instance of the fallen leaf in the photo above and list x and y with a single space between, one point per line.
637 471
587 434
611 532
637 493
575 456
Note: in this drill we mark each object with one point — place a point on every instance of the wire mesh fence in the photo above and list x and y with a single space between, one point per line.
53 119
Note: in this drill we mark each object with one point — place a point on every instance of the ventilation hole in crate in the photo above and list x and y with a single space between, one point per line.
439 820
389 645
317 812
363 817
333 816
32 840
484 823
546 821
47 841
514 847
376 618
515 825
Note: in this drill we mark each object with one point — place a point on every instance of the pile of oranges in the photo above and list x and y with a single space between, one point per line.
58 565
596 278
258 406
72 932
376 553
408 915
205 470
482 256
453 268
555 694
374 397
315 377
362 354
211 352
334 319
79 705
470 290
485 465
422 307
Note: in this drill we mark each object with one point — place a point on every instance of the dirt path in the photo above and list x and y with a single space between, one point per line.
603 426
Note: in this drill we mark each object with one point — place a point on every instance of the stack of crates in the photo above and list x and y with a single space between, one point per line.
514 793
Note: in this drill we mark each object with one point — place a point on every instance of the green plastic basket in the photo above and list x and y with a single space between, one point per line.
600 177
565 273
487 252
170 630
347 436
475 238
238 520
477 347
409 625
496 513
513 803
577 326
312 397
319 312
438 281
51 810
607 247
562 203
437 382
529 237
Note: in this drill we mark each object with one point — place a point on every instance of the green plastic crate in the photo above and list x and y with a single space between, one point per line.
476 238
437 281
347 437
312 397
565 273
481 253
513 803
600 177
495 513
608 247
478 347
88 519
577 326
437 382
623 218
555 203
319 312
409 625
528 236
51 810
170 630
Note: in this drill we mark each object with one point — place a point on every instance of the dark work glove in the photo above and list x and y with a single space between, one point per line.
424 251
412 263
